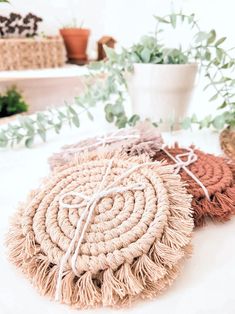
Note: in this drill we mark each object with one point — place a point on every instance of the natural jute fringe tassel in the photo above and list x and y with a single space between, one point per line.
138 232
144 138
216 174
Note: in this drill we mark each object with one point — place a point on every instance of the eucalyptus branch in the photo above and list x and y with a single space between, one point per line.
206 50
27 128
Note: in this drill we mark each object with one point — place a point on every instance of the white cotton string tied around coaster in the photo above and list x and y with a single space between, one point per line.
180 164
103 140
87 213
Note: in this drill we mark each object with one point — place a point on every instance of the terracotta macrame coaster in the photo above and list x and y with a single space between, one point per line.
134 245
218 177
144 138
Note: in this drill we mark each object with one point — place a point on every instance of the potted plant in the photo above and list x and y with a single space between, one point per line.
216 64
161 82
11 103
76 41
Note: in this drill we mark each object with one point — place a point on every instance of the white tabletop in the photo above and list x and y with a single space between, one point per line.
206 286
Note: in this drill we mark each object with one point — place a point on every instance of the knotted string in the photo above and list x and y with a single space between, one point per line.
180 164
90 206
105 139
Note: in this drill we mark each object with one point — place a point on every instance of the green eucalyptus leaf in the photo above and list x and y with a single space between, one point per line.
155 124
76 121
108 108
3 143
161 19
121 121
218 122
72 111
201 36
205 123
61 114
3 139
42 134
208 55
109 117
219 54
133 120
90 116
19 138
57 127
29 142
191 18
27 124
224 104
220 41
194 118
186 123
173 20
117 109
211 37
214 97
40 117
226 66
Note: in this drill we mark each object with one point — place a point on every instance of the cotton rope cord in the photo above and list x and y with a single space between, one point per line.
216 174
180 164
144 138
133 246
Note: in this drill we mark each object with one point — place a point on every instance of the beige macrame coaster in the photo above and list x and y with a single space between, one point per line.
134 245
144 138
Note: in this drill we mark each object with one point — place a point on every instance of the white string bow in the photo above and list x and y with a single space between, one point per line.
181 164
87 214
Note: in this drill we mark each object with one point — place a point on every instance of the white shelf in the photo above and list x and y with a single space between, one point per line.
67 71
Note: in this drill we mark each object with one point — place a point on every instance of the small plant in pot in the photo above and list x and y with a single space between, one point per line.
76 41
161 82
11 103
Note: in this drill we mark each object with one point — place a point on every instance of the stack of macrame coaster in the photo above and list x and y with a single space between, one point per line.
107 230
210 180
144 138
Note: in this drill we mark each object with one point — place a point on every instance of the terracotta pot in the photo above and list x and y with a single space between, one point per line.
76 40
227 142
162 91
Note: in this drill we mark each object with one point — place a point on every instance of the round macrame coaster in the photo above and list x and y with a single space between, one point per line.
217 175
144 138
134 246
227 142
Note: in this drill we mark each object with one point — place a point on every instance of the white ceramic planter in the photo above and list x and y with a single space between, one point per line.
162 91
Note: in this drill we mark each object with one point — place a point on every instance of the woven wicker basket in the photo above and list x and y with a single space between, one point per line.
227 142
31 53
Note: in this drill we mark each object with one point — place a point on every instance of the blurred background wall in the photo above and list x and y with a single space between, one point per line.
126 20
